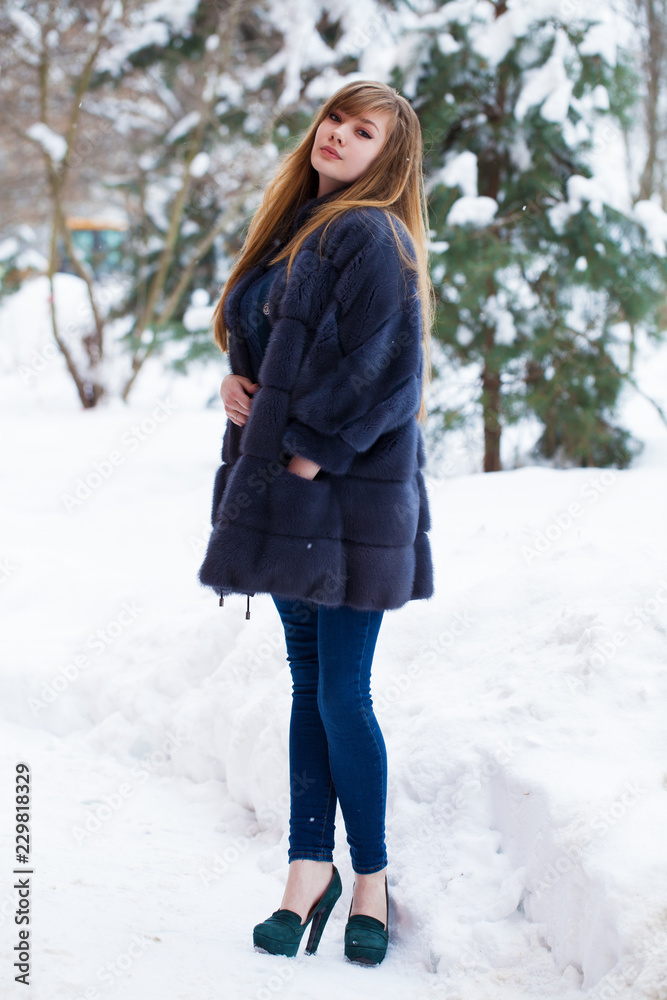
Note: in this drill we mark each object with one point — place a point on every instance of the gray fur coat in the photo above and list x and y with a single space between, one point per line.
340 384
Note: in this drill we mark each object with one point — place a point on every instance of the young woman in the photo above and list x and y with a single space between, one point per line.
320 500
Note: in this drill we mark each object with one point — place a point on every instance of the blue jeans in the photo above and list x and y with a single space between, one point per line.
336 748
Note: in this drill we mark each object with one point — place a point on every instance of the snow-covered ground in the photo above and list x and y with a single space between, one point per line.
523 708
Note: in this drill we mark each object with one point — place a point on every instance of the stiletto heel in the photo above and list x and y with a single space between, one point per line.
281 934
366 938
317 927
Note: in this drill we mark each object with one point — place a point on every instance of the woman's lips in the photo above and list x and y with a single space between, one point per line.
328 151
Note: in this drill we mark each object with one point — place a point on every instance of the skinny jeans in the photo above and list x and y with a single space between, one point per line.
336 749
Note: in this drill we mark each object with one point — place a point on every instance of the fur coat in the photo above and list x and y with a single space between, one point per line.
340 383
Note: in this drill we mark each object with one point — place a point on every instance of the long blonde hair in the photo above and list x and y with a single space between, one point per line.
393 181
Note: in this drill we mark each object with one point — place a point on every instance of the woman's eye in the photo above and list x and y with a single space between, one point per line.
332 114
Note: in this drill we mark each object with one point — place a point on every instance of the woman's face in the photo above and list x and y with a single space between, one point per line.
356 142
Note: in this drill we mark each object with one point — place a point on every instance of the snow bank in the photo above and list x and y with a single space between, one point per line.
523 709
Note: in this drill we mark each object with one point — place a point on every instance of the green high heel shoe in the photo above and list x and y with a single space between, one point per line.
366 938
281 934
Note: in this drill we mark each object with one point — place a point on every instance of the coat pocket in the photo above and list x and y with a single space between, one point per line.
302 507
266 497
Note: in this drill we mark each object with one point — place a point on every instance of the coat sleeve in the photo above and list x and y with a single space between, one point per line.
361 376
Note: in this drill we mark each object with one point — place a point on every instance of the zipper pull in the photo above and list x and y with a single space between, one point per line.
247 614
222 600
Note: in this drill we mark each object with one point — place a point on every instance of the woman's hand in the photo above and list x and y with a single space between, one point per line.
233 391
237 402
303 467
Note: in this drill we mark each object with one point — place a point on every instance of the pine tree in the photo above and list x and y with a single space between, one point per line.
534 271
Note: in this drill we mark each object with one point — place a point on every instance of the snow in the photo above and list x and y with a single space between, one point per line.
158 200
653 218
149 24
601 39
198 318
199 314
230 88
549 85
26 24
200 164
471 211
8 248
495 311
52 143
148 161
460 170
378 37
523 708
520 154
31 259
26 341
175 13
579 190
437 246
447 43
182 127
495 40
200 297
27 349
600 97
304 46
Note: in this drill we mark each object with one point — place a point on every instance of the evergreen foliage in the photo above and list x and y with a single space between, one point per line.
534 287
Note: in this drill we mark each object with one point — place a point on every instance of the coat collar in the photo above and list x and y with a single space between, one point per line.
305 210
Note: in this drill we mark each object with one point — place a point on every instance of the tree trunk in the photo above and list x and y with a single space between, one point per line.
488 185
654 65
491 408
